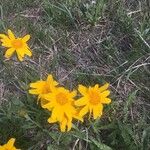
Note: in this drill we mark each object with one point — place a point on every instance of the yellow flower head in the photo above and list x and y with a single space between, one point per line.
18 45
41 87
61 103
9 145
93 100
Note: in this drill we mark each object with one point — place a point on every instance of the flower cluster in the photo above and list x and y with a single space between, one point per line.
64 106
62 103
9 145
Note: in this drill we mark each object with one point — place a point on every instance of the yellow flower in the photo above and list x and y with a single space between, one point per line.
93 100
9 145
41 88
61 103
18 45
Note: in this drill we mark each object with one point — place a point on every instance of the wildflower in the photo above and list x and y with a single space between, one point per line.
93 99
61 103
18 45
9 145
41 87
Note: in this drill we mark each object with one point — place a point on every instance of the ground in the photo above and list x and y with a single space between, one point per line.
78 42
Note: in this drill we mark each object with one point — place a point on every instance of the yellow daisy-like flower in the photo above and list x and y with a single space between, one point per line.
9 145
41 88
61 103
93 100
18 45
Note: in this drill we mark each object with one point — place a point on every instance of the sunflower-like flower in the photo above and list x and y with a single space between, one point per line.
61 103
92 100
41 87
9 145
18 45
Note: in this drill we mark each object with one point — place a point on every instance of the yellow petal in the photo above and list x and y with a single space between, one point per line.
63 125
106 101
49 96
96 86
51 120
49 78
10 143
105 94
90 111
83 111
6 42
26 38
36 84
3 36
81 102
49 105
20 58
60 115
57 114
104 87
6 45
34 91
41 96
69 111
73 93
69 125
97 111
51 81
76 116
82 89
11 35
9 52
19 55
28 52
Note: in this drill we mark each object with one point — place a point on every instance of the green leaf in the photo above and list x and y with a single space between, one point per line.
128 104
100 146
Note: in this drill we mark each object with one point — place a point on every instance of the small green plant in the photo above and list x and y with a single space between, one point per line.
93 11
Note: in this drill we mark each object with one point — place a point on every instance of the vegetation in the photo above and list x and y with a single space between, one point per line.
78 42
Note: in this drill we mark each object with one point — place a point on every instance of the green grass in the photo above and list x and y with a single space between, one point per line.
78 42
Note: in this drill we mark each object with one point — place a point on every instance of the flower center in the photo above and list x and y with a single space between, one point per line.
94 98
46 89
61 98
17 43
